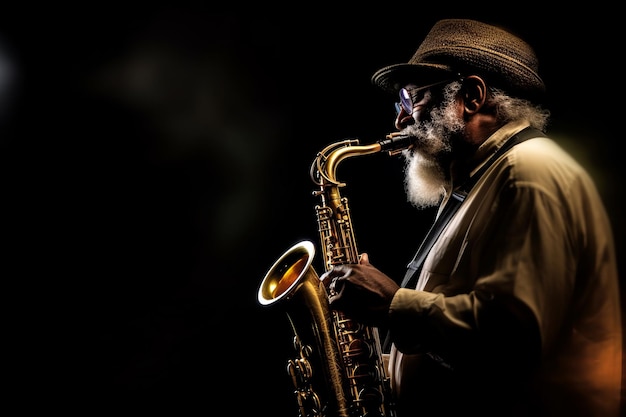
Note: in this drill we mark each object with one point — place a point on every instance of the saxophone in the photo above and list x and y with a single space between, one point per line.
338 370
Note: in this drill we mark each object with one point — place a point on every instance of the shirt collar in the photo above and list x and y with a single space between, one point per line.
462 170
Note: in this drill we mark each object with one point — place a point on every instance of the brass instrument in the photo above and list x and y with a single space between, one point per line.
338 370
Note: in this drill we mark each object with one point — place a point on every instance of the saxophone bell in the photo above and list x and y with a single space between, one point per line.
315 370
287 274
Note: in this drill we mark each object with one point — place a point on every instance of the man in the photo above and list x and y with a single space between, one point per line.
514 309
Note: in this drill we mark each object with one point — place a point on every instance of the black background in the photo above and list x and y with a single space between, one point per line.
155 163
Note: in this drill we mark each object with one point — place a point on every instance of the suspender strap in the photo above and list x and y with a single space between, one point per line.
453 204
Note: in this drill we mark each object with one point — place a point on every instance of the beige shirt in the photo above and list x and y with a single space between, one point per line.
532 241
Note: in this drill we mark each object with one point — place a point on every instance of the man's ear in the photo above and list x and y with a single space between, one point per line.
474 93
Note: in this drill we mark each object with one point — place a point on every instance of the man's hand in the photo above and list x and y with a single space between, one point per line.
361 291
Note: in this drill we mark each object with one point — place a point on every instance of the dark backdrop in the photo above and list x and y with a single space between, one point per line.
155 163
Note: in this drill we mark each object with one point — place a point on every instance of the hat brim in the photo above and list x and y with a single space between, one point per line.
394 77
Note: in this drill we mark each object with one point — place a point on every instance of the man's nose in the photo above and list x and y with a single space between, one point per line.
403 119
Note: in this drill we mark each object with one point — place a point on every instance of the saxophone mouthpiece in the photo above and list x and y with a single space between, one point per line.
396 142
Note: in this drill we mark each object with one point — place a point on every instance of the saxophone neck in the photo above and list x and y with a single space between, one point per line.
324 167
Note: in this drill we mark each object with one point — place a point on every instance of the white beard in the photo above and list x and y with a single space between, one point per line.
424 180
425 177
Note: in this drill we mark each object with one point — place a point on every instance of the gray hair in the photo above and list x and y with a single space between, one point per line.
509 108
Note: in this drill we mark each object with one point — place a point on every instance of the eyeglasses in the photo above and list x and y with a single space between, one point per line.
408 96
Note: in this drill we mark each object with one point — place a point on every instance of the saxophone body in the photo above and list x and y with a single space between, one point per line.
338 369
